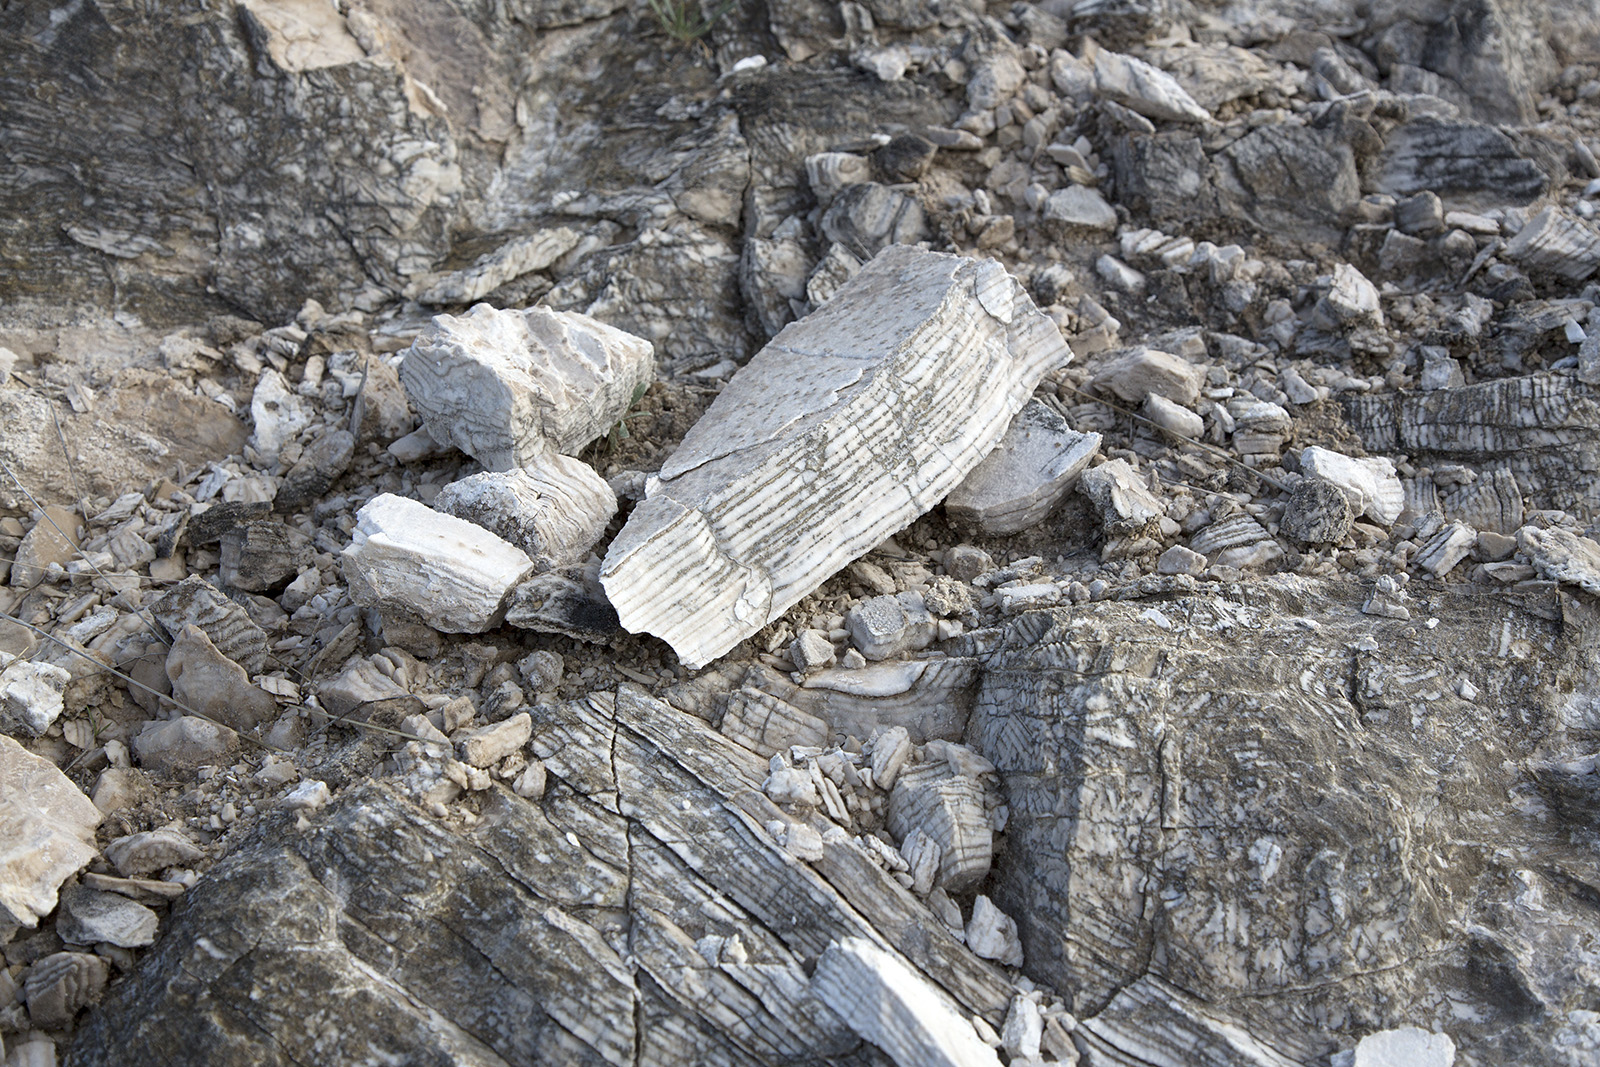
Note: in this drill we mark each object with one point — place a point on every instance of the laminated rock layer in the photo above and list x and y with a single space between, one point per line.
842 431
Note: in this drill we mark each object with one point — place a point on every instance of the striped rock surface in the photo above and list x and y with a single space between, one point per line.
506 386
848 426
555 510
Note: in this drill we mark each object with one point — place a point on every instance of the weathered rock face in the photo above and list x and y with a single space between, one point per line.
1240 814
48 829
674 932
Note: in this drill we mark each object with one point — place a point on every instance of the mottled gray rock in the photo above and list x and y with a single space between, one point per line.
178 746
1469 165
30 695
1136 373
263 557
208 683
1078 207
555 510
867 218
320 465
1562 556
886 626
556 604
1141 87
1034 466
1120 495
89 916
1318 512
195 601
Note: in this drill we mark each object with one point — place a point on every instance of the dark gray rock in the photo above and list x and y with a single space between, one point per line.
1318 512
321 464
262 557
1469 165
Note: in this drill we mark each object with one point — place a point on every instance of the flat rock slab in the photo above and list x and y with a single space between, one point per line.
506 387
46 833
452 574
849 425
1036 464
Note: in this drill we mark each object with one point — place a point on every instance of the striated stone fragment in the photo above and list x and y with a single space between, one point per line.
153 850
30 695
89 916
1467 164
1119 494
488 745
262 557
60 985
1562 556
1173 417
507 386
47 831
850 424
1318 512
320 465
195 601
867 218
895 1009
452 574
1035 465
176 746
554 604
554 510
1448 546
1370 484
206 681
949 809
1136 373
1351 302
1556 243
1078 207
1140 87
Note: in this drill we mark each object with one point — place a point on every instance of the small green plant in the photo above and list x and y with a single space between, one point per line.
685 21
619 433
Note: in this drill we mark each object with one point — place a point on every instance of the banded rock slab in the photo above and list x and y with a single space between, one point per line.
849 425
507 386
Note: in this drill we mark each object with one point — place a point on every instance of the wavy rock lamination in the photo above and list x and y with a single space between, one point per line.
849 425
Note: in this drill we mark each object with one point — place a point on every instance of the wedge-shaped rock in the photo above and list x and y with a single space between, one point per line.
1562 556
453 575
849 425
1370 484
893 1007
507 386
948 808
46 833
555 510
196 601
1037 463
1150 91
1555 242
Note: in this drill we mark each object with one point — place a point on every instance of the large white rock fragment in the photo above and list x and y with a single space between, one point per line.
894 1008
1371 484
1562 556
849 425
1136 373
30 694
1556 242
1351 301
1150 91
505 387
1036 464
46 833
555 510
1409 1046
452 574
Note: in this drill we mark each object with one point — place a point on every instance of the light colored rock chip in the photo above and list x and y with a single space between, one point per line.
1120 495
1440 553
279 415
30 695
992 934
949 809
452 574
507 386
1555 242
1136 373
1409 1046
1181 560
1078 207
885 626
846 427
150 851
1140 87
1562 556
53 539
179 745
811 650
1173 416
1035 465
1350 302
488 745
1370 484
206 681
894 1008
554 510
89 917
47 831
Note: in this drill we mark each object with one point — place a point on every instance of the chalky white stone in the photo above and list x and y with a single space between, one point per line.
1370 484
893 1007
506 386
849 425
452 574
555 510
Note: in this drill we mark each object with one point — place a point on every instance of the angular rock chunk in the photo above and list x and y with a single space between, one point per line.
61 984
1562 556
447 571
45 544
1138 372
885 626
948 808
1035 465
30 695
46 833
844 429
177 745
553 604
1079 207
1468 164
150 851
507 386
555 510
89 916
263 556
1352 301
206 681
1555 242
1318 512
196 601
1120 495
889 1005
1371 484
320 466
1150 91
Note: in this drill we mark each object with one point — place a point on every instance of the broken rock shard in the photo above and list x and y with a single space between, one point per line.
890 1005
449 572
507 386
849 425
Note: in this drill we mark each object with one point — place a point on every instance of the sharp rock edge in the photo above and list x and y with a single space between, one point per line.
848 426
